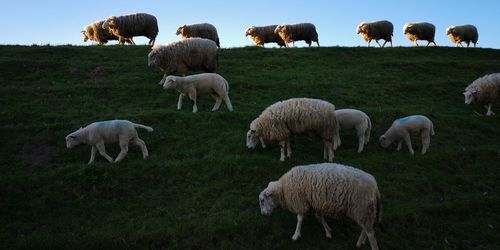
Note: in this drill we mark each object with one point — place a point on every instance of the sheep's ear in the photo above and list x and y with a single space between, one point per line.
268 193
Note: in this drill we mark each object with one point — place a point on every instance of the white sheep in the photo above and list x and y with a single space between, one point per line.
485 91
352 118
463 33
329 189
402 129
296 116
98 133
193 85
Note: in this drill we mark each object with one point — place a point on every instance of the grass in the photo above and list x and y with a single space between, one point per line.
199 187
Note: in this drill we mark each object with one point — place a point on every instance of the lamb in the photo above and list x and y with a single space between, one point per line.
201 30
95 32
376 30
401 130
179 57
264 34
352 118
296 116
191 86
98 133
420 31
128 26
464 33
485 91
297 32
329 189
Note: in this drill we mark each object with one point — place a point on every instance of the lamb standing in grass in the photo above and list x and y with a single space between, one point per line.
485 91
329 189
99 133
352 118
401 130
296 116
205 83
376 30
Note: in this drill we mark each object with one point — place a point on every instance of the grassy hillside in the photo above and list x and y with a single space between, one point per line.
199 187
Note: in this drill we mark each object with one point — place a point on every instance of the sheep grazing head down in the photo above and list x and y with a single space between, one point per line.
267 198
180 30
469 97
252 138
109 23
250 31
384 141
71 139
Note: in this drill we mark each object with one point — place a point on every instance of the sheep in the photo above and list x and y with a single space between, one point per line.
201 30
329 189
352 118
179 57
128 26
295 116
401 130
264 34
463 33
485 91
297 32
98 133
420 31
191 86
95 32
376 30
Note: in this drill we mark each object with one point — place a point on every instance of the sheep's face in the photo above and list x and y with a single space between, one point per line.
71 140
360 28
250 31
408 29
267 198
180 30
85 36
384 141
109 23
450 30
153 58
469 97
252 138
168 81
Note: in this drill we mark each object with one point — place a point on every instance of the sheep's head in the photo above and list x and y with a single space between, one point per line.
109 23
407 28
85 36
280 28
470 96
450 30
250 31
384 141
268 199
252 138
361 28
153 58
168 81
180 30
72 139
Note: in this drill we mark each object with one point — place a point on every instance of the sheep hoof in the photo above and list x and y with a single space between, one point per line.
295 237
328 235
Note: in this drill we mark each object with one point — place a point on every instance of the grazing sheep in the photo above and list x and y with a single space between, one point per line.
95 32
99 133
352 118
485 91
464 33
201 30
376 30
264 34
420 31
401 130
191 86
329 189
179 57
128 26
297 32
296 116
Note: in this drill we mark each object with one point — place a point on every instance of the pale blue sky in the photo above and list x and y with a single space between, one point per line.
60 22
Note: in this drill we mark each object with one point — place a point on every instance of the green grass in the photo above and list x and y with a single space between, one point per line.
199 187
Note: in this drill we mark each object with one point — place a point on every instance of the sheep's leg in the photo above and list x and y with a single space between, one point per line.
288 149
369 41
361 139
102 151
361 239
415 42
400 145
179 102
380 46
426 140
262 142
192 96
218 101
329 149
124 149
328 230
282 145
371 237
137 141
92 154
317 42
227 102
468 43
293 43
489 110
407 139
132 41
296 235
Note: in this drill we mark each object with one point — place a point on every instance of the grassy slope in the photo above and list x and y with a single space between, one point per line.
199 188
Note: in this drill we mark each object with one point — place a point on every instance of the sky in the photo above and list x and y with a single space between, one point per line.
60 22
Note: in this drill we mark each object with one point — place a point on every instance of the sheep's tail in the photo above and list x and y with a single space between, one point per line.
147 128
379 208
432 129
368 130
226 86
